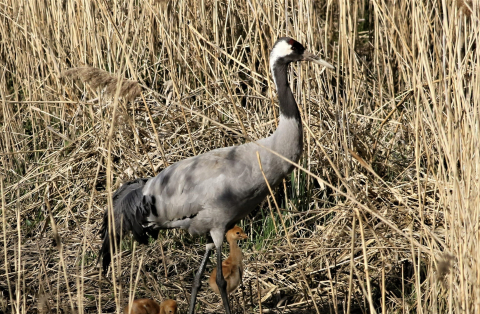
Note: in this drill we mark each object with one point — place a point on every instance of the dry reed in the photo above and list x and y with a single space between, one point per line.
382 216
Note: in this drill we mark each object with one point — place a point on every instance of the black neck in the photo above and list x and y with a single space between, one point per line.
288 106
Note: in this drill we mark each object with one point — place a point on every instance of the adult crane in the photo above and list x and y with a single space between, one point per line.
209 193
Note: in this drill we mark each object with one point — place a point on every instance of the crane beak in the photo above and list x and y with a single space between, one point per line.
308 56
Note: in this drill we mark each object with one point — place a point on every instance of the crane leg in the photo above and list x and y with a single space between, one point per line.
221 282
197 282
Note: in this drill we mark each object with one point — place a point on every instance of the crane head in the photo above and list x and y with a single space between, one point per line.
288 50
236 233
169 306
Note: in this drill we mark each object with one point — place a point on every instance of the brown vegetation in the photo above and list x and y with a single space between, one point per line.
381 215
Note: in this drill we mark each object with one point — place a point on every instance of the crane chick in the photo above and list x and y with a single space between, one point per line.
232 267
149 306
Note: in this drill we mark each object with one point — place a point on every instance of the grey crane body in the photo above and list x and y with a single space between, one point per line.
211 192
217 189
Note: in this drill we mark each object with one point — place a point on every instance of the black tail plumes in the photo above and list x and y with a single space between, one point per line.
129 213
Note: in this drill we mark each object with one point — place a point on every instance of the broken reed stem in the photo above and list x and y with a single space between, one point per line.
163 257
4 225
352 265
365 261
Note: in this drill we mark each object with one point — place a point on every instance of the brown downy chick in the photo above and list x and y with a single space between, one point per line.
149 306
232 267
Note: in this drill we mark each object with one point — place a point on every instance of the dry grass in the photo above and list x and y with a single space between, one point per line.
382 215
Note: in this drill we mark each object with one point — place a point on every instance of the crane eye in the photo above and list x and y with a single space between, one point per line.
238 232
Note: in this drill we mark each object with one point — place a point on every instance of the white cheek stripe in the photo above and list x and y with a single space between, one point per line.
280 50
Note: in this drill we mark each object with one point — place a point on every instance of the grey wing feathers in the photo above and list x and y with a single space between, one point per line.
190 185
